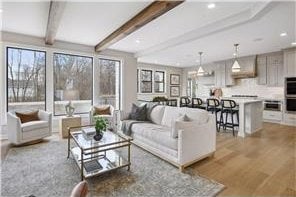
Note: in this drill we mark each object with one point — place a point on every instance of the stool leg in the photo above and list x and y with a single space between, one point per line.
226 121
221 120
216 121
232 124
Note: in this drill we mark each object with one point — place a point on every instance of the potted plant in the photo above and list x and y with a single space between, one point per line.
100 126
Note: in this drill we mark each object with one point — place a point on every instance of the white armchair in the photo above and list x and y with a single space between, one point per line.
19 133
110 118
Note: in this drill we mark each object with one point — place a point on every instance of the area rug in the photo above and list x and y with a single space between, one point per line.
44 170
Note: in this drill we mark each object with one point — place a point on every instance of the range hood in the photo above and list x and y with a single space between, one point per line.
248 67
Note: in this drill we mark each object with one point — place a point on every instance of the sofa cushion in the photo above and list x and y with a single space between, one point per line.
157 114
27 117
138 112
171 114
156 133
29 126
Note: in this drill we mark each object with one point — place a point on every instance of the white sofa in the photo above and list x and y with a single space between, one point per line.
20 133
196 138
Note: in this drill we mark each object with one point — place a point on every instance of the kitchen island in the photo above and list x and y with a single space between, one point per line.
250 116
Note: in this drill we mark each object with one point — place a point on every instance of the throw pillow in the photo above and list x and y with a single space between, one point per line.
175 128
104 110
28 117
80 190
138 112
150 107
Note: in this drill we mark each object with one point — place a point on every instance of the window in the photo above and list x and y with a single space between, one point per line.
159 81
146 81
109 82
25 79
72 82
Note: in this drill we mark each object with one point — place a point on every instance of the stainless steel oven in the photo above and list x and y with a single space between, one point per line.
272 105
291 104
291 87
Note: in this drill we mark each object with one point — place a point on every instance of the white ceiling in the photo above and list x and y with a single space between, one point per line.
173 39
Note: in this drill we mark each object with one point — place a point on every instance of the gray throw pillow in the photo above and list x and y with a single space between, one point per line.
138 112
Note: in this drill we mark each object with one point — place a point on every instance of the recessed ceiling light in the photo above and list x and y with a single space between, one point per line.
1 10
283 34
211 5
258 39
234 54
293 43
138 41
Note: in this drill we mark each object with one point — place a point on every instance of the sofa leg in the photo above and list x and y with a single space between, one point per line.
181 168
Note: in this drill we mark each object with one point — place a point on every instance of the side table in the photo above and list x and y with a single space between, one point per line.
65 122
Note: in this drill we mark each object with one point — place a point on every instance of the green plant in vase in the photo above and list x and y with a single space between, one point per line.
100 126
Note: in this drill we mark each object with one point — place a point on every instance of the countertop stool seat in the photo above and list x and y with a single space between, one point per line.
197 103
213 106
229 107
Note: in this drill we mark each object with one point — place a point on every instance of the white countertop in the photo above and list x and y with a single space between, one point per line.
243 100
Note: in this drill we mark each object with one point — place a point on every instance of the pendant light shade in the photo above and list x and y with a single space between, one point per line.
236 67
200 71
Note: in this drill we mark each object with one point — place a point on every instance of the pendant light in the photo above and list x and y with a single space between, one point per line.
236 67
200 71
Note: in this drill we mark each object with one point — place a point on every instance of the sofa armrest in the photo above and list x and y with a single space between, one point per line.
196 140
13 127
46 116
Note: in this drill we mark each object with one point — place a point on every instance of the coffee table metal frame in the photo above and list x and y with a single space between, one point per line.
82 154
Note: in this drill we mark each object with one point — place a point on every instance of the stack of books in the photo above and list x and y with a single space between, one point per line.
89 131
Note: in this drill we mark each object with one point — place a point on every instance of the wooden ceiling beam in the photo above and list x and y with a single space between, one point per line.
56 10
148 14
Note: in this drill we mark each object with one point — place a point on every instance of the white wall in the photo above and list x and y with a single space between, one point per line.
168 71
128 63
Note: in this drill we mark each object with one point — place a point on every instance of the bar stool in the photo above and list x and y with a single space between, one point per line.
213 106
184 101
197 103
229 107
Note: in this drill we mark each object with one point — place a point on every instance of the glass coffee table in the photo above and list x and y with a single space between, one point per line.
96 157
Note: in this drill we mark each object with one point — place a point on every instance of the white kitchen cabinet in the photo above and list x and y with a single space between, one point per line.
261 70
275 70
290 62
272 116
289 119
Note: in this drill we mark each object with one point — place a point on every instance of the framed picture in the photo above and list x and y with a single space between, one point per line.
175 91
175 79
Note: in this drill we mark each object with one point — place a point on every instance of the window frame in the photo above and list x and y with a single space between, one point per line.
45 65
159 82
54 85
120 70
141 81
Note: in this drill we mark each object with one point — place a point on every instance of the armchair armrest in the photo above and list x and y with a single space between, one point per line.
196 141
46 116
14 128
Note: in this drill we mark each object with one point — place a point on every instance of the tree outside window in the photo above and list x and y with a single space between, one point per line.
25 79
72 81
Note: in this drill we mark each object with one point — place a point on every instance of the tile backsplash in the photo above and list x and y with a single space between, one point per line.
247 86
250 87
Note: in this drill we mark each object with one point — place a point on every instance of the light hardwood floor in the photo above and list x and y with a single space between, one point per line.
262 164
